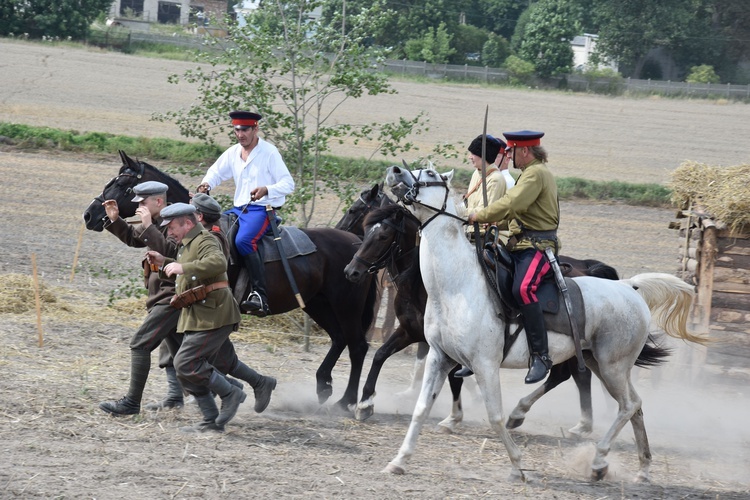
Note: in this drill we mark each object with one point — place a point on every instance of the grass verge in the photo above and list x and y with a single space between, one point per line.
184 156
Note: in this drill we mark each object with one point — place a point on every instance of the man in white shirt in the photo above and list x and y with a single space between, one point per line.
261 178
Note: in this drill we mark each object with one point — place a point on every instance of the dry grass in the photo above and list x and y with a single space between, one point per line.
723 192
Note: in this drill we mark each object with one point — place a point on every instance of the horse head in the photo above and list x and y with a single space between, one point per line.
424 187
120 189
369 199
383 243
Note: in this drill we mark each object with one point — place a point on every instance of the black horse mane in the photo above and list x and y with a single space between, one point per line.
173 183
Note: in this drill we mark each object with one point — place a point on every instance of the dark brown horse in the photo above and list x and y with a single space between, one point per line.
342 308
390 242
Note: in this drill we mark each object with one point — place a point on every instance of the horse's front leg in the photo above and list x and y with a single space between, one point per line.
488 378
357 352
583 381
417 372
398 340
449 424
323 375
437 368
557 375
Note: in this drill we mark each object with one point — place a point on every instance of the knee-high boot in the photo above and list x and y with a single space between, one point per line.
140 364
256 302
262 385
174 398
536 335
209 410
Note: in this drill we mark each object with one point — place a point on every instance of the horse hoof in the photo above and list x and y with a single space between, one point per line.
642 478
599 474
394 469
443 429
514 423
324 395
362 413
580 430
517 476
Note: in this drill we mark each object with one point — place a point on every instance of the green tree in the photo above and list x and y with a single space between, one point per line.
467 39
50 18
433 47
551 26
495 51
296 73
702 74
521 72
628 30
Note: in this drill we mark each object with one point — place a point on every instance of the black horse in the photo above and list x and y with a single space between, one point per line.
390 242
342 308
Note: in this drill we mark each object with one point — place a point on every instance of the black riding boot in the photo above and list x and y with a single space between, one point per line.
262 386
256 302
536 335
209 410
231 397
140 364
174 397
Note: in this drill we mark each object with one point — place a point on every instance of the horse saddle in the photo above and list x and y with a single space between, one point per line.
294 241
499 260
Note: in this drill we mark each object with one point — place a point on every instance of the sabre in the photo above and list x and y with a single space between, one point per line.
568 306
284 261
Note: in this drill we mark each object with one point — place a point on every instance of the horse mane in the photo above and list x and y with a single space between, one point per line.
381 213
182 193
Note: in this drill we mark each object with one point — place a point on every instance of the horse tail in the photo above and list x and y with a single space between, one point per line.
369 313
602 270
669 300
652 354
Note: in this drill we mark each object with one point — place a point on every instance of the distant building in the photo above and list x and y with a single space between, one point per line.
181 12
584 46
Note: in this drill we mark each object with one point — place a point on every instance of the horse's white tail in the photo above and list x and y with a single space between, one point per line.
669 300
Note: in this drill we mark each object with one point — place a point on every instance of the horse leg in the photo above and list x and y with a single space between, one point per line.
396 342
438 365
357 352
448 425
488 378
323 375
583 381
417 371
616 379
558 373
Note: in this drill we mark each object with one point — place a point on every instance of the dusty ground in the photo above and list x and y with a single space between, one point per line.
56 443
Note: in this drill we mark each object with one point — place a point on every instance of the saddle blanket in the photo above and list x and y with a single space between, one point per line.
294 241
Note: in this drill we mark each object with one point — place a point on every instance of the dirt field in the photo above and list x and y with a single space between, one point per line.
57 443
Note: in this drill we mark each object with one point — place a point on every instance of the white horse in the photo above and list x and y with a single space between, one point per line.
462 324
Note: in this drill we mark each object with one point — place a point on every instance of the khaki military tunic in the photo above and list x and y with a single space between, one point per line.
532 204
203 263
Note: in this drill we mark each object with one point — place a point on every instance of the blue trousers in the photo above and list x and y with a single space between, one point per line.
253 225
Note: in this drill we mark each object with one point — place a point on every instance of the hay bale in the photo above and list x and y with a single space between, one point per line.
723 192
17 294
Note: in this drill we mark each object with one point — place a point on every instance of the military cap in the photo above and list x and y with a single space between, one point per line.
148 188
244 119
205 204
175 210
493 146
523 138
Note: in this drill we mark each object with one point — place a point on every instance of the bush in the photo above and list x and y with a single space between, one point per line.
495 51
702 74
521 72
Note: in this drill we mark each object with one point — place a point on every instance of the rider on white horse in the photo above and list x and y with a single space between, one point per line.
533 212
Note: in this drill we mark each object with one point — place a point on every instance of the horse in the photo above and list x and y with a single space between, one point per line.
465 324
390 242
343 309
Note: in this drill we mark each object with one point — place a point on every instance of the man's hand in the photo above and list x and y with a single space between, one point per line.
472 218
155 258
258 193
173 269
204 188
145 215
113 211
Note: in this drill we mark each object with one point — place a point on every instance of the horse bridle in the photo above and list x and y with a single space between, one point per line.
369 205
410 197
127 173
